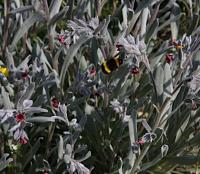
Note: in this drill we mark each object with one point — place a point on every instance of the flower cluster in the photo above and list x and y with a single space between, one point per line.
17 119
135 52
77 28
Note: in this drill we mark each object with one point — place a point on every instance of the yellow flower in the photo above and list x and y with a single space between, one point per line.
4 70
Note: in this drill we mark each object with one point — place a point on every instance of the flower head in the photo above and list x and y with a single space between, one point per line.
20 117
169 58
135 70
55 103
23 140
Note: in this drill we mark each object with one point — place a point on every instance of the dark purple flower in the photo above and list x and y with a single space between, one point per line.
169 58
135 70
55 103
20 117
23 140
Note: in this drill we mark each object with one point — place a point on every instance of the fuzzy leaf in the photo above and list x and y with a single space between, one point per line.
37 17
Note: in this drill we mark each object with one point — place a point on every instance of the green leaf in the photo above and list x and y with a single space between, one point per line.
6 99
37 17
194 23
60 148
143 4
29 155
159 78
54 7
174 24
26 95
41 119
152 31
185 160
71 52
58 16
21 9
88 155
4 162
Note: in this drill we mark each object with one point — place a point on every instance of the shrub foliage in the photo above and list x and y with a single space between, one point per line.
99 86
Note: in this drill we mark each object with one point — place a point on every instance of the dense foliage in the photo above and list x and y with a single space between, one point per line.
99 86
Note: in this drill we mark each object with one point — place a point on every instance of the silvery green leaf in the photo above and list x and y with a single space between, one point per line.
21 9
34 110
146 125
60 118
116 105
69 149
6 114
40 119
185 160
27 103
60 148
174 24
67 159
4 161
44 62
63 109
10 60
23 66
152 30
37 17
194 23
58 15
144 17
164 150
143 4
32 152
167 81
15 127
70 55
159 79
81 168
6 99
54 7
88 155
169 21
26 95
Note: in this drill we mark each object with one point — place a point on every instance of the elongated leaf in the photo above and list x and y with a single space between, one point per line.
58 16
40 119
26 95
174 24
169 21
21 9
159 77
194 23
70 55
143 4
88 155
185 160
33 150
152 31
6 99
37 17
60 148
4 161
35 110
54 7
